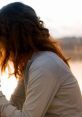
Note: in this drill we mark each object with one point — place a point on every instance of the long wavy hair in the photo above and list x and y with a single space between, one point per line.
21 34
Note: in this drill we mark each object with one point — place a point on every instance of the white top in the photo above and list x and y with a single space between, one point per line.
52 90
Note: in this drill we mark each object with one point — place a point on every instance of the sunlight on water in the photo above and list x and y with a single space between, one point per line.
76 68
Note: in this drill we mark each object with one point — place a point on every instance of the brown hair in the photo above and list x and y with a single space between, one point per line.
22 33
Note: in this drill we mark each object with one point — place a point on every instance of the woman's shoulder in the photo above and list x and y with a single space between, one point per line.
47 57
49 64
50 61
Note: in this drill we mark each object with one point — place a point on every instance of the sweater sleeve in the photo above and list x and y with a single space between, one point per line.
18 97
41 88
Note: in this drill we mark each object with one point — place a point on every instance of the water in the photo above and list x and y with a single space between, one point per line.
76 68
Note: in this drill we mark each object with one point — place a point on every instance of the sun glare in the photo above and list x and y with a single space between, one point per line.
8 84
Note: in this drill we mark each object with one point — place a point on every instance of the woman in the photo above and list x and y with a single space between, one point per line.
46 87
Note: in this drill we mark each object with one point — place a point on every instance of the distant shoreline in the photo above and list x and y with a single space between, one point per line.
72 47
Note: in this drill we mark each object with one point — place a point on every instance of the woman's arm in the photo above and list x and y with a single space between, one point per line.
18 97
40 88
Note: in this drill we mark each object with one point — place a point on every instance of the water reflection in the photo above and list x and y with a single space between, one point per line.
76 67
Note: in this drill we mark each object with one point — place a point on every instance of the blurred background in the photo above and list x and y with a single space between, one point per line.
63 18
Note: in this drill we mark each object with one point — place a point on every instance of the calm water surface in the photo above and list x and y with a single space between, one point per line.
76 68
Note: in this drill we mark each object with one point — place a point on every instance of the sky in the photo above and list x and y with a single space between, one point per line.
62 17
